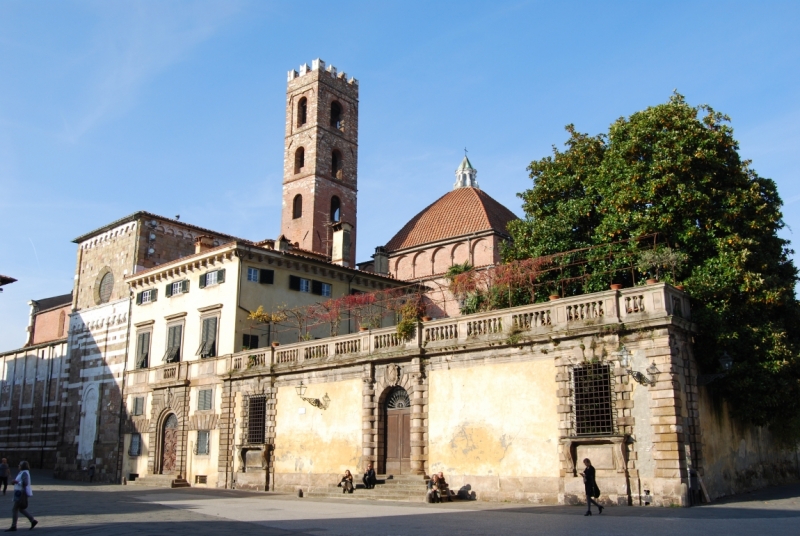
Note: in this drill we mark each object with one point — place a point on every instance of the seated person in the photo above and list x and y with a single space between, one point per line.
369 478
444 487
433 490
346 483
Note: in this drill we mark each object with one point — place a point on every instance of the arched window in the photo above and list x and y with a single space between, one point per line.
336 115
336 164
302 111
297 207
299 160
336 209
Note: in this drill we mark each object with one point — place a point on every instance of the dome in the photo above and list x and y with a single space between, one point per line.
459 212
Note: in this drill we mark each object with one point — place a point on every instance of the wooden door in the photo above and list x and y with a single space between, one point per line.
169 449
398 433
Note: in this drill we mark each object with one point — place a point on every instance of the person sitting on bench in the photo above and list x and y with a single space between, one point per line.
369 477
346 483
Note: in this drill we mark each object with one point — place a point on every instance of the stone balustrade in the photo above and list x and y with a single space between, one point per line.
608 307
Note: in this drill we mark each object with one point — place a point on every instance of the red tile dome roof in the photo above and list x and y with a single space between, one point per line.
457 213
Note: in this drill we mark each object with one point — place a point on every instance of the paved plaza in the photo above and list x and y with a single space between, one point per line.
80 508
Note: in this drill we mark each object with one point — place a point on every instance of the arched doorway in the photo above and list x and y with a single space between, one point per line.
169 445
397 432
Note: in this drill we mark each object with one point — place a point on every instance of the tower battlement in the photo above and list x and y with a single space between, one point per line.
318 65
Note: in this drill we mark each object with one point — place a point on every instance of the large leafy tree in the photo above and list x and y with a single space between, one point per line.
675 170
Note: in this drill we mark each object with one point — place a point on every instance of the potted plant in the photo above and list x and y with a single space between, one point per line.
275 344
616 286
653 261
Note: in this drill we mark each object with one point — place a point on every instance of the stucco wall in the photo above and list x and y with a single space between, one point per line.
311 441
498 421
738 458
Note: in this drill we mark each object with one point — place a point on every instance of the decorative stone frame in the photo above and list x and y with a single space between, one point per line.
165 402
96 285
381 380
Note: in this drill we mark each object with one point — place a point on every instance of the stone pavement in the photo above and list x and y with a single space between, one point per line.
79 508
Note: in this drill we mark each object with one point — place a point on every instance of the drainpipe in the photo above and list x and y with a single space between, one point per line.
120 435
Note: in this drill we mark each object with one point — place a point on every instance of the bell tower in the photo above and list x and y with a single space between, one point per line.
320 161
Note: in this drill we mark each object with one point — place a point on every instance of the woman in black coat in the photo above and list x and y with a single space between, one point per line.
591 488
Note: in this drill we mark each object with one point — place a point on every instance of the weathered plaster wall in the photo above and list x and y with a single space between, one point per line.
505 431
738 458
312 445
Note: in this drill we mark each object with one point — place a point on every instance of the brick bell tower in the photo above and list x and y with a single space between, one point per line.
320 158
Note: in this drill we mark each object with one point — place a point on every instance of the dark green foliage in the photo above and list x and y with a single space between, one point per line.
675 170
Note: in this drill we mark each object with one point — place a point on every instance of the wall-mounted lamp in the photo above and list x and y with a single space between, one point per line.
316 402
726 362
625 362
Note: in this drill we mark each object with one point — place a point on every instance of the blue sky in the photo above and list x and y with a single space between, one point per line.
107 108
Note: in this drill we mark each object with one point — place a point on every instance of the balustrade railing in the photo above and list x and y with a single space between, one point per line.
315 352
445 332
530 320
585 310
604 307
484 326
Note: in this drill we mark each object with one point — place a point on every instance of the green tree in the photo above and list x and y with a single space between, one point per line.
675 170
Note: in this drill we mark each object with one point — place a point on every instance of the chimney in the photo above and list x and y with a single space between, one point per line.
284 244
203 243
381 259
341 244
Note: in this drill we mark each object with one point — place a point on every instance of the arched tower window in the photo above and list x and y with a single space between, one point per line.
297 207
302 112
336 164
336 116
336 209
299 160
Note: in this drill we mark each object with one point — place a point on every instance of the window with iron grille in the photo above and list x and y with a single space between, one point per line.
201 479
136 445
138 405
204 399
593 400
256 422
202 442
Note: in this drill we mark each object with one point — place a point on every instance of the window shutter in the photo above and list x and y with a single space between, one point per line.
316 287
294 282
267 277
203 281
139 298
253 342
185 285
154 295
221 276
168 290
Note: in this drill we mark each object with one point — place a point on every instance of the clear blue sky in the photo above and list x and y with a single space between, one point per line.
107 108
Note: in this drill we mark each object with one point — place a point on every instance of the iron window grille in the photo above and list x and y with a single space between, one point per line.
256 419
135 448
593 400
202 442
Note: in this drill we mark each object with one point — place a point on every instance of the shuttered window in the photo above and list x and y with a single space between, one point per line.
267 277
147 296
143 349
215 277
202 441
208 338
299 284
174 337
320 289
177 287
136 445
204 399
138 405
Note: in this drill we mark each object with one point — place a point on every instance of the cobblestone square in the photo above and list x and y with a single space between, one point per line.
80 508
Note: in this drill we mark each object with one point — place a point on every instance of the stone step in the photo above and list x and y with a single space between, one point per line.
160 481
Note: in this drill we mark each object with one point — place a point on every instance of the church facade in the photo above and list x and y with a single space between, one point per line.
164 377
